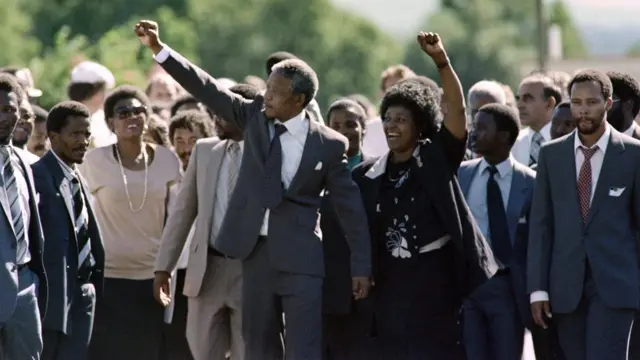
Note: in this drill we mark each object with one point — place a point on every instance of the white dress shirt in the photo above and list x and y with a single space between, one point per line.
596 166
477 195
522 147
292 142
631 129
374 143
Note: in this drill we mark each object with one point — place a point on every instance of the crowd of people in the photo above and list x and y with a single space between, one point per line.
206 219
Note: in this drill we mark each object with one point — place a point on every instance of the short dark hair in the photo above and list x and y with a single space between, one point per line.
349 105
564 104
592 75
277 57
10 84
247 91
626 88
366 104
158 129
85 91
303 79
505 118
180 102
59 115
40 114
192 120
552 90
124 92
421 100
424 81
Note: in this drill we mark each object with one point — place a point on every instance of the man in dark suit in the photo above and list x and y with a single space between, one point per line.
22 276
626 104
272 218
498 190
583 254
74 254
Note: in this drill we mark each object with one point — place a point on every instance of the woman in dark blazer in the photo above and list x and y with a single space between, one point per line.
343 328
428 252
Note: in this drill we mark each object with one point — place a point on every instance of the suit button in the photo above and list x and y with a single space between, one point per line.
67 266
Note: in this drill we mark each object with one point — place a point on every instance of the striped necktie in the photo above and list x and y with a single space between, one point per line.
536 142
85 258
13 194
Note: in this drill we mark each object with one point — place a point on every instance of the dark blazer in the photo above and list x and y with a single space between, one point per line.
559 244
518 209
295 244
439 160
61 248
36 245
337 293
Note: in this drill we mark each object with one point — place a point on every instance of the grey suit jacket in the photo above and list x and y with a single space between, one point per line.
294 243
58 223
520 198
559 244
9 270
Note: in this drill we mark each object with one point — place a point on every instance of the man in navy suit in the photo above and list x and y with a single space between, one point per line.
74 254
498 190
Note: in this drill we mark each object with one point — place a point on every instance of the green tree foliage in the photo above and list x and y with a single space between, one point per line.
634 49
15 42
477 51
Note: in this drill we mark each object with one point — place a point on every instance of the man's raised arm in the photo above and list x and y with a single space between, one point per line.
197 82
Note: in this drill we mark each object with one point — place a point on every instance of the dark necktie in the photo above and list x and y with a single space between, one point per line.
498 229
85 259
13 195
272 189
585 182
536 143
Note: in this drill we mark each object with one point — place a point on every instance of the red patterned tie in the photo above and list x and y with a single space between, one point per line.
584 182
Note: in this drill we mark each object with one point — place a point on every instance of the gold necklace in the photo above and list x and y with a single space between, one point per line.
124 179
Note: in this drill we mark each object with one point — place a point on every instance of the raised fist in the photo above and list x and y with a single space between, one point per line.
432 45
148 33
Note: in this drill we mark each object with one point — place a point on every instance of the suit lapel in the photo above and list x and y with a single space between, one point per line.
610 164
213 170
516 201
34 223
466 176
308 160
566 167
5 206
62 185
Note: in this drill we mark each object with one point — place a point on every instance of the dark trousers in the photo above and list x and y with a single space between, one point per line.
174 334
75 343
492 326
128 323
265 290
545 342
594 331
346 337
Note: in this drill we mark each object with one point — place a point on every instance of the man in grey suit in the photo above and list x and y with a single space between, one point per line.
23 284
498 190
272 219
583 255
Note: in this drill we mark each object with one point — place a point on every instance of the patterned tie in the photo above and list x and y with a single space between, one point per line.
272 188
584 182
85 258
234 151
13 195
536 142
498 228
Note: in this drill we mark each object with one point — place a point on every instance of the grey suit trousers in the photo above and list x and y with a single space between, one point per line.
265 291
21 335
75 345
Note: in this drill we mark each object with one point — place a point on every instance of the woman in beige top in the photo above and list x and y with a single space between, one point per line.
129 182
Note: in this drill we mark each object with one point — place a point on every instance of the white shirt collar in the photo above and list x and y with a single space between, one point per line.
380 166
505 168
631 129
602 143
296 125
545 132
68 170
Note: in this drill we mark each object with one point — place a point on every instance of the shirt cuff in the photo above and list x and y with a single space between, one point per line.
537 296
163 55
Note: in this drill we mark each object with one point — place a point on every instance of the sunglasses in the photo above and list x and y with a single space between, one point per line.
129 111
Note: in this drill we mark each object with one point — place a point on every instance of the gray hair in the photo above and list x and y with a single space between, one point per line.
488 89
303 79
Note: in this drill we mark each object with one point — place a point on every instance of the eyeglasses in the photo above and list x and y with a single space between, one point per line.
129 111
